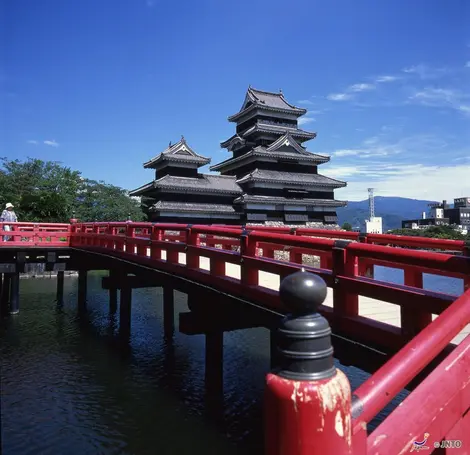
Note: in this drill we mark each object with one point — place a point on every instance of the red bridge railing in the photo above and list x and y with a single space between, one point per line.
35 234
438 405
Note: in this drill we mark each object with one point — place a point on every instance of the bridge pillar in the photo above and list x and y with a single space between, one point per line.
82 289
60 288
168 311
307 400
125 305
112 292
5 299
15 293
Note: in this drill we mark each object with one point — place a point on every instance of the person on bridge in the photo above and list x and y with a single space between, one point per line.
8 216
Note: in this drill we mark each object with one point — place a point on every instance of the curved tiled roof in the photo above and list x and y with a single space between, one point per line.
291 177
244 198
193 207
204 183
179 152
267 100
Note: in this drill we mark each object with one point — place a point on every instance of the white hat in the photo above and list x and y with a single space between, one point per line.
8 205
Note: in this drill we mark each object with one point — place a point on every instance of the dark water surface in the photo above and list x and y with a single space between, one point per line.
69 387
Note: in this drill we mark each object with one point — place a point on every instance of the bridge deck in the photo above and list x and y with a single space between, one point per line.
370 308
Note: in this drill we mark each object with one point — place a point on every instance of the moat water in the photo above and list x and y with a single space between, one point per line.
69 387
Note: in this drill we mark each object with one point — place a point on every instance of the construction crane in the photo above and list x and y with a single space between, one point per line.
371 203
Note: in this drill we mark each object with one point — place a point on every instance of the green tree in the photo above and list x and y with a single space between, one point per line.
49 192
99 201
39 190
438 232
346 226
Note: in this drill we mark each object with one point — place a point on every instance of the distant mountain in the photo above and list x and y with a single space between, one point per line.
392 210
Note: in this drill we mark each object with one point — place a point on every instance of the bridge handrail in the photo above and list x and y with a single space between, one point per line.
376 392
444 393
388 239
41 225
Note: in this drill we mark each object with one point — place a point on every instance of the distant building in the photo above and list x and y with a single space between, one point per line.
460 213
373 225
270 177
441 214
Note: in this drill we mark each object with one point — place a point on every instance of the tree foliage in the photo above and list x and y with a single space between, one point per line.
438 232
346 226
49 192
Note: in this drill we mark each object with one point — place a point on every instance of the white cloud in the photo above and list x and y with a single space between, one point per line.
305 120
339 96
443 98
52 143
409 180
347 152
305 102
32 141
150 3
382 79
467 65
377 148
426 72
361 87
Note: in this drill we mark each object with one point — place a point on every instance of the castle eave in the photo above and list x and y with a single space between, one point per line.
192 207
244 199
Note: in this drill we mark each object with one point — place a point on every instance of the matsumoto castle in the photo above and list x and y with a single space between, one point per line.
270 176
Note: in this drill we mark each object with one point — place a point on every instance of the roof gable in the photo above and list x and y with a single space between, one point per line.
180 151
287 144
270 100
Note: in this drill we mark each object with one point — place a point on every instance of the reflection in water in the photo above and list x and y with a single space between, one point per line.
71 385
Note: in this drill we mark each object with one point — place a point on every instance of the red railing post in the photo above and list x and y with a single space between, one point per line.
130 234
35 234
192 243
294 256
155 236
172 256
307 400
412 320
466 252
248 275
344 302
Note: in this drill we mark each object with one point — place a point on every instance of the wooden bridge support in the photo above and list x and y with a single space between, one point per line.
3 306
82 289
125 311
113 292
15 293
5 298
60 288
168 311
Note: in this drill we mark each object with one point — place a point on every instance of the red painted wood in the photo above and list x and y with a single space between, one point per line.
345 303
380 388
412 320
433 407
308 417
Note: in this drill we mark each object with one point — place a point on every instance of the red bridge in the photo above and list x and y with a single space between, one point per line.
411 337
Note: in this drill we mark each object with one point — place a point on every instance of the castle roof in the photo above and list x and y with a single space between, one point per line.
256 199
179 152
205 183
284 148
255 99
261 175
192 207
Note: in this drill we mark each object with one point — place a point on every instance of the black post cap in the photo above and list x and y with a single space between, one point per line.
302 292
304 337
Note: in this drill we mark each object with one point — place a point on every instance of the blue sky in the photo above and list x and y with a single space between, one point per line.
102 85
